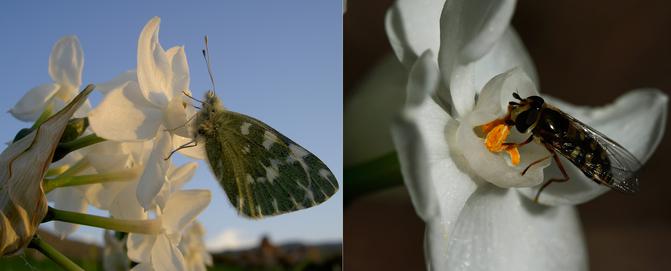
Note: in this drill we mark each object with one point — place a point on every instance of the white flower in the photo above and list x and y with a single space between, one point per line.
65 68
457 187
150 100
149 103
193 248
24 163
161 252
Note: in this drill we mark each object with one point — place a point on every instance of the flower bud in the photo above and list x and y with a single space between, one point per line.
23 165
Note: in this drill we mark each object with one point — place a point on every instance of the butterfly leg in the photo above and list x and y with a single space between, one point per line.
563 172
183 125
189 144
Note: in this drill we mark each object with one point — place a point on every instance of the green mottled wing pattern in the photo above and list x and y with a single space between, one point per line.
263 172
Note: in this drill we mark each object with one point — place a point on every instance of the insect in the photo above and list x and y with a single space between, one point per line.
263 172
598 157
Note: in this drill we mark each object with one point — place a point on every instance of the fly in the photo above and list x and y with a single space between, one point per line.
598 157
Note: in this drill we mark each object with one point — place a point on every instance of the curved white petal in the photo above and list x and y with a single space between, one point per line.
124 115
182 174
153 65
69 199
176 119
34 102
195 152
166 256
125 205
66 62
155 172
179 79
437 185
369 112
140 246
469 29
498 229
467 79
117 82
413 26
636 121
183 207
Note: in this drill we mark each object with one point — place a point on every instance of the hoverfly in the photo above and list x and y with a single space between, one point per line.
598 157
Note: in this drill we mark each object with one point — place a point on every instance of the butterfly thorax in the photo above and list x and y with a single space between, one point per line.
205 124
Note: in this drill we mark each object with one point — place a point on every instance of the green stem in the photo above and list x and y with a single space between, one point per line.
147 226
379 174
53 254
69 180
64 148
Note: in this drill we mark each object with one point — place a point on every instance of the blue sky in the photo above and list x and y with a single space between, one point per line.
279 61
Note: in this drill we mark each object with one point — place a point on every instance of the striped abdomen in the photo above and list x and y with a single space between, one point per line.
568 139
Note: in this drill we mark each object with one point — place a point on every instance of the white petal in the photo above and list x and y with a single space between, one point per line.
483 22
166 256
140 246
117 82
154 175
34 102
69 199
153 66
469 29
498 229
369 112
423 149
494 167
413 26
143 267
66 62
179 176
125 115
183 207
636 121
125 205
195 152
176 119
180 70
507 53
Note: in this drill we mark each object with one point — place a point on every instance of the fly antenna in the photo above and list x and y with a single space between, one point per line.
206 55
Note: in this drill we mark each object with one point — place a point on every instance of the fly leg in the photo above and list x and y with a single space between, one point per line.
561 168
517 145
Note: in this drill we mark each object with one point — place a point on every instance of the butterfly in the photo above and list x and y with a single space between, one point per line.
263 172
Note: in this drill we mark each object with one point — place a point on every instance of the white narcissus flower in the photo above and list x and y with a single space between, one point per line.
161 252
24 163
66 63
193 248
153 106
464 62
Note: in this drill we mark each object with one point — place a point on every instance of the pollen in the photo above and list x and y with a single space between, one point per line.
497 133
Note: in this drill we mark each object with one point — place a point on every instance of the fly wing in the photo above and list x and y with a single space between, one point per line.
263 172
624 165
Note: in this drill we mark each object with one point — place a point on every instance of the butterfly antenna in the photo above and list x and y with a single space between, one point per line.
192 98
206 55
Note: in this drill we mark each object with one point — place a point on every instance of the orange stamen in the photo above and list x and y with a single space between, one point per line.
496 137
497 133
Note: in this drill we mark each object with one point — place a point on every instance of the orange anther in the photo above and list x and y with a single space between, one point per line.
496 137
514 154
497 133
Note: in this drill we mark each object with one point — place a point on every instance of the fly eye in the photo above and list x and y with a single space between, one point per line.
201 131
526 119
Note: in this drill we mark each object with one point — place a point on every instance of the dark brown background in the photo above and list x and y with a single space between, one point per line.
586 52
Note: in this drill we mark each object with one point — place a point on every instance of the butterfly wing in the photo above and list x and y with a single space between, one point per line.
263 172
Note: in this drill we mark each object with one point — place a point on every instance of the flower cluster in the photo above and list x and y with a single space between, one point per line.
120 161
